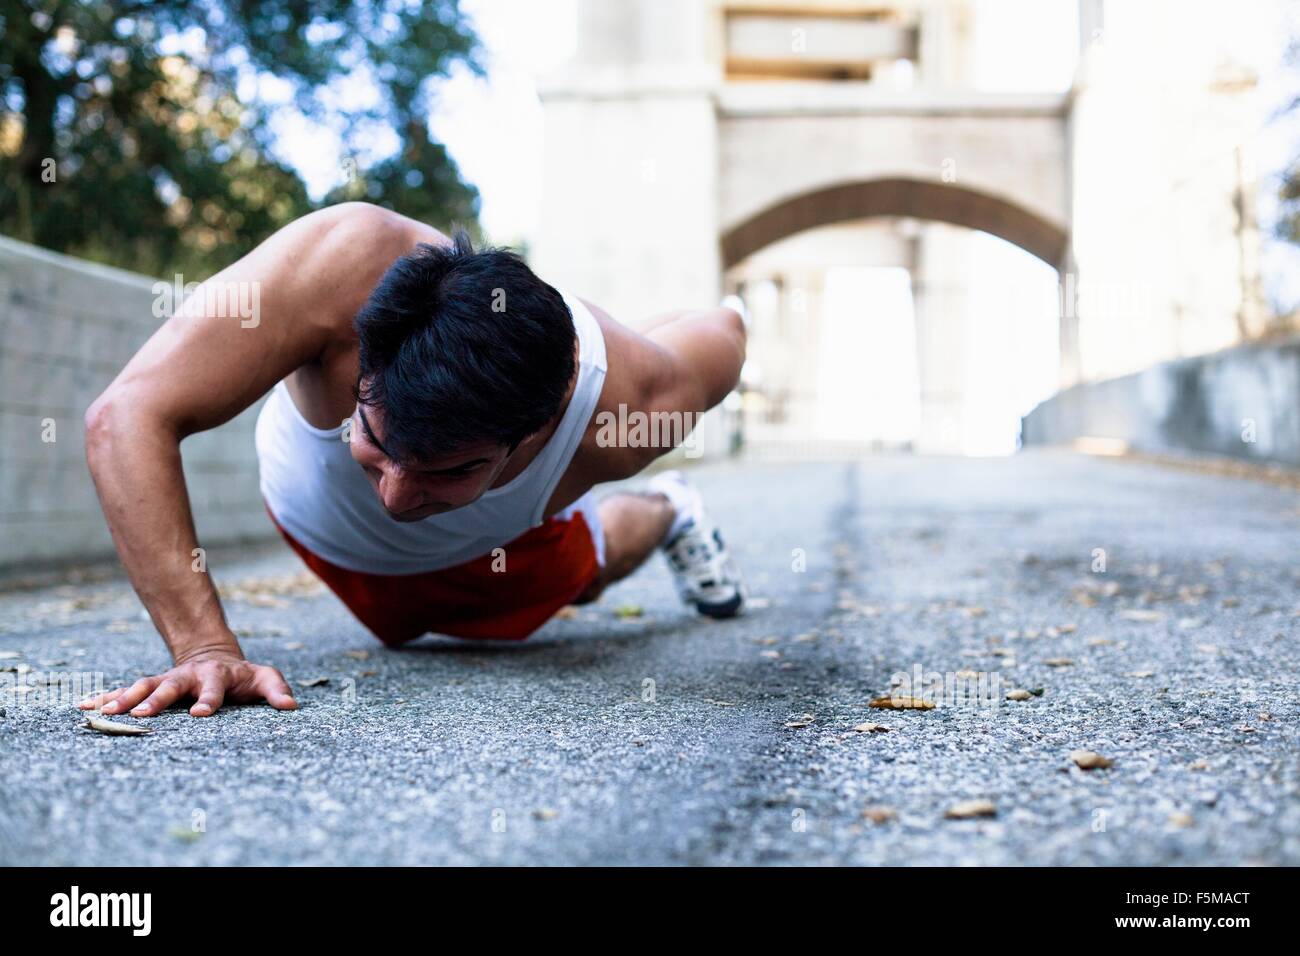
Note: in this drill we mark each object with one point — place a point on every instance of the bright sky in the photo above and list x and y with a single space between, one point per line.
492 125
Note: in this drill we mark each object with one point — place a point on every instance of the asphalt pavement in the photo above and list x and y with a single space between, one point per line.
1046 604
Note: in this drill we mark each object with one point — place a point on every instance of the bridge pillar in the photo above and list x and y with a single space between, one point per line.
630 164
940 316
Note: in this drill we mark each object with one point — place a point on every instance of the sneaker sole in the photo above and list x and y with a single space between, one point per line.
725 609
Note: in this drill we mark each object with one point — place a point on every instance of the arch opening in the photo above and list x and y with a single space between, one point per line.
897 197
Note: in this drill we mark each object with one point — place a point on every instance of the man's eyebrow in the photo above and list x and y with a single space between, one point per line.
365 424
472 463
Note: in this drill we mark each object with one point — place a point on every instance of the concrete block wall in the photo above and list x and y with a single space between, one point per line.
1242 402
67 327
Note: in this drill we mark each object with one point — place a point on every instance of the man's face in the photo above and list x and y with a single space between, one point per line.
417 491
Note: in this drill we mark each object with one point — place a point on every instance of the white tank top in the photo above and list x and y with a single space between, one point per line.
321 496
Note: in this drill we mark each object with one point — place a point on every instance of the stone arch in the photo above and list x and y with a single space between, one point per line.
912 198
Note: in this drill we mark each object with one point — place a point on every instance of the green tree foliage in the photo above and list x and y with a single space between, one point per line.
132 133
1288 224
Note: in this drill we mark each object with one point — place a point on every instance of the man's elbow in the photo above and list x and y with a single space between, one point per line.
733 326
110 417
734 323
100 423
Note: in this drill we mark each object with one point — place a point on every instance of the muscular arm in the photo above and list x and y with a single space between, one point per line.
685 361
198 371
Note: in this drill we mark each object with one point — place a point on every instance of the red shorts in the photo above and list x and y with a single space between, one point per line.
546 568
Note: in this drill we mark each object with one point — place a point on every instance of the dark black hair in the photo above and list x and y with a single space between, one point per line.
460 346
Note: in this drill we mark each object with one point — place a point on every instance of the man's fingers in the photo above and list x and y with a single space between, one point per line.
273 687
126 699
98 701
210 697
168 692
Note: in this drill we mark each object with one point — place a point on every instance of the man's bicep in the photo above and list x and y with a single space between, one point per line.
222 348
276 309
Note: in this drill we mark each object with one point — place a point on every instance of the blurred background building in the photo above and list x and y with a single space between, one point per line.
939 211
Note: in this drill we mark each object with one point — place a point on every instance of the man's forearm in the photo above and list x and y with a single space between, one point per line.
136 465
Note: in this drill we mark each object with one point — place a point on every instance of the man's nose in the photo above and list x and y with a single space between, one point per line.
399 492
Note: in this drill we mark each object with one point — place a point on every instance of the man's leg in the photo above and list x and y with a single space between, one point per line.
635 524
671 515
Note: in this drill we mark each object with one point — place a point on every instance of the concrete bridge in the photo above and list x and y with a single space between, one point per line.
684 137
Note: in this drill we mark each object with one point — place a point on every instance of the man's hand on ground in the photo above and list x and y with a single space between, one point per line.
211 679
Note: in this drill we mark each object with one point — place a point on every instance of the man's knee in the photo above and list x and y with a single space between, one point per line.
594 590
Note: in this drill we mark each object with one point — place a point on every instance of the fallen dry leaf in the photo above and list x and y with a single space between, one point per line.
113 729
546 813
1181 819
1090 760
1099 642
313 681
1019 695
880 814
902 703
1144 616
969 809
804 721
1059 662
358 655
1140 674
1199 765
870 728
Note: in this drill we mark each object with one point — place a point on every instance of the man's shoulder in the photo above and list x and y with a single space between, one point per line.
360 237
329 261
634 374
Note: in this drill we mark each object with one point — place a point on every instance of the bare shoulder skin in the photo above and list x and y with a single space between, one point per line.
199 370
679 362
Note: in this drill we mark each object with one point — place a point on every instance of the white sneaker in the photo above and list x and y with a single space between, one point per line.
705 575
